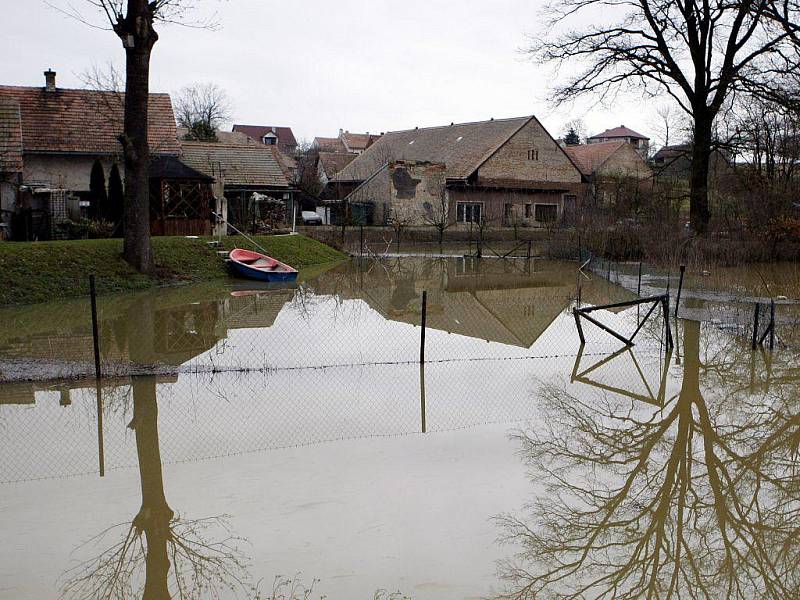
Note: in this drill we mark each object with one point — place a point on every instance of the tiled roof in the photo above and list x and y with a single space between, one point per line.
590 157
333 162
257 132
619 132
461 147
358 141
326 144
85 121
10 137
238 161
170 167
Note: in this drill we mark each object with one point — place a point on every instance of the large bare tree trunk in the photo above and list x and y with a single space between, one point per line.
155 514
138 36
699 213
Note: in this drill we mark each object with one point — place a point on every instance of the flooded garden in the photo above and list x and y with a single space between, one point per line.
344 434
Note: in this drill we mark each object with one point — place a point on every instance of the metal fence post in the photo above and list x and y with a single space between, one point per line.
680 287
95 336
639 284
755 326
422 332
772 324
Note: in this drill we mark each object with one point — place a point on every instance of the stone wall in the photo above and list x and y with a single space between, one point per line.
530 155
64 172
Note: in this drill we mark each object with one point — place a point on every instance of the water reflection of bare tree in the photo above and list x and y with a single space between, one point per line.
158 555
699 498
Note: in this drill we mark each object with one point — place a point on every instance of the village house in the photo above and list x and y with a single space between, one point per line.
330 163
346 142
609 160
247 173
503 171
52 140
270 135
641 143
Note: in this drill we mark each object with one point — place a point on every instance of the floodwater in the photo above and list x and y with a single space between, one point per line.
245 434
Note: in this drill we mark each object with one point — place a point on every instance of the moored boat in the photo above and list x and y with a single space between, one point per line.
255 265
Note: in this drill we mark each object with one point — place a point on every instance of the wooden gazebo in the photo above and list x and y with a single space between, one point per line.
181 199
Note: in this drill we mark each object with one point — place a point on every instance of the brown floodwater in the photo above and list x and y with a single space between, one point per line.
242 434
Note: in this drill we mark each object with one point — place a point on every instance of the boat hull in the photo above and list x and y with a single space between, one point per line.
261 267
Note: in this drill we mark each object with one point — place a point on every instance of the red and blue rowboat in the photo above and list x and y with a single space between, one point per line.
260 266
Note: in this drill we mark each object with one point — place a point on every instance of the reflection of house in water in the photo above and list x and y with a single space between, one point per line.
252 309
495 300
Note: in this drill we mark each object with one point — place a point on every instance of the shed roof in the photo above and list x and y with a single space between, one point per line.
170 167
238 163
462 147
85 121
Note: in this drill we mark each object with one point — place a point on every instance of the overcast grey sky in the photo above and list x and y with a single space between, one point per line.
318 65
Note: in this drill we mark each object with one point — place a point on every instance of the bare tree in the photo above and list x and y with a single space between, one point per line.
575 132
438 214
133 21
689 496
700 53
202 108
159 554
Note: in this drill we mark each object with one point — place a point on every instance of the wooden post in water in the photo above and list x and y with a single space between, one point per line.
361 239
422 333
529 250
97 376
680 287
95 336
755 326
665 313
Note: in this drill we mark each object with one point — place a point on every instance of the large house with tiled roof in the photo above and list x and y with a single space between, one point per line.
502 171
616 134
50 140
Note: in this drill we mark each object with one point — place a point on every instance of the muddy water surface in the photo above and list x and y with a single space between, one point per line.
249 433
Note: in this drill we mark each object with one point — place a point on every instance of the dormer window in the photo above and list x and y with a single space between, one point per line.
270 139
533 154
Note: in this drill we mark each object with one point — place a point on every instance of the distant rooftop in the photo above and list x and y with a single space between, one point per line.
619 132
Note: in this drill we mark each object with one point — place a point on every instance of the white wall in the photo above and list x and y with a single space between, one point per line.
65 172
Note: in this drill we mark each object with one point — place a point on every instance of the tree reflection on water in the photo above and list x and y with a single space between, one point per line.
696 499
159 554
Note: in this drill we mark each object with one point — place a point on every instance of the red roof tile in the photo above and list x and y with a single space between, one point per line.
590 157
10 137
285 135
358 141
326 144
85 121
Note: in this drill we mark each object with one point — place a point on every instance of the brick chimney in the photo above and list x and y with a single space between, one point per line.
50 80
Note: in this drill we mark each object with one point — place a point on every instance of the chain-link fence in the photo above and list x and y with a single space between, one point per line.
341 356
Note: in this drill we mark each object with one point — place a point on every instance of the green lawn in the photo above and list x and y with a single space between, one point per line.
41 271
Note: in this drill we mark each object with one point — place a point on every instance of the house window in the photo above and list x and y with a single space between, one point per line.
508 210
545 213
469 212
533 154
270 140
528 211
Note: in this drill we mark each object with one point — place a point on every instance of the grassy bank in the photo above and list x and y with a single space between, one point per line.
42 271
